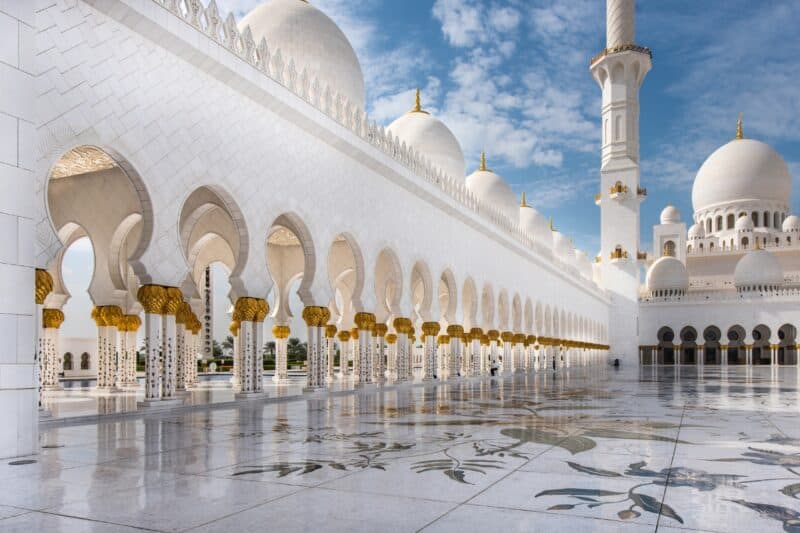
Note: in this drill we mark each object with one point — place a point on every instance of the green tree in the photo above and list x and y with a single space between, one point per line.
227 344
216 349
269 350
296 350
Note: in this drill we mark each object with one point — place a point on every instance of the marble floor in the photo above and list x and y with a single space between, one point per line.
594 449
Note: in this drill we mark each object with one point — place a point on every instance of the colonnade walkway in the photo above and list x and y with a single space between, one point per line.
585 448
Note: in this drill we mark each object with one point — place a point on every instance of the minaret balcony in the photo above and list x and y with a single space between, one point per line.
618 192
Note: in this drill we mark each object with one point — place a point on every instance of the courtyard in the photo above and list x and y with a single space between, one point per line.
586 449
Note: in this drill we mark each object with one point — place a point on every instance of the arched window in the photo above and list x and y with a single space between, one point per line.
719 223
708 225
669 249
755 218
701 246
731 221
745 242
67 361
777 219
766 219
711 246
689 248
84 361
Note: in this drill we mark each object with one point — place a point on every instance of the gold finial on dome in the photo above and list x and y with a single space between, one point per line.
483 167
523 203
418 103
552 227
739 132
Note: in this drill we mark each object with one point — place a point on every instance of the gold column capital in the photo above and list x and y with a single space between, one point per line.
44 285
365 321
316 316
380 330
391 338
152 298
234 328
343 336
330 331
475 334
173 301
485 340
281 332
493 334
431 328
507 336
402 325
354 334
184 314
455 330
52 318
443 339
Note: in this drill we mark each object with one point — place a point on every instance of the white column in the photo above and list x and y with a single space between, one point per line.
454 332
330 352
404 363
281 334
365 323
476 353
238 372
430 330
344 344
180 357
507 337
152 298
378 363
315 317
51 321
391 355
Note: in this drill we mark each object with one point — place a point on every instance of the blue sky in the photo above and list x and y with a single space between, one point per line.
512 76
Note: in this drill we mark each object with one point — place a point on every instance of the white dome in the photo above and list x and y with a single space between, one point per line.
756 269
670 215
697 231
667 274
308 36
492 189
743 169
744 224
792 223
432 139
534 223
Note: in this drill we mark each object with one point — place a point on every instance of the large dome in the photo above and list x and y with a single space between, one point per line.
743 169
757 269
492 189
667 274
534 223
431 138
309 37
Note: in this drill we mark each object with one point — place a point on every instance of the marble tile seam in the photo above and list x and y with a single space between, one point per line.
671 465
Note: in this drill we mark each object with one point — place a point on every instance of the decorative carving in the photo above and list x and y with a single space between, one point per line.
173 300
44 285
52 318
493 334
380 330
343 336
442 339
391 338
330 331
430 328
152 298
455 330
281 332
364 321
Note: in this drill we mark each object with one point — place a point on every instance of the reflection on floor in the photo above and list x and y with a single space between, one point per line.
585 450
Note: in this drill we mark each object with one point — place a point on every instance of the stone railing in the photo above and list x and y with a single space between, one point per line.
723 295
621 48
719 250
324 98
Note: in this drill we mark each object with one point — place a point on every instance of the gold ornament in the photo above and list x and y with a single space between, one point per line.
354 334
152 298
493 334
262 309
507 336
442 339
44 285
380 330
234 328
314 315
52 318
330 331
343 336
391 338
365 321
431 328
174 299
281 332
402 325
184 314
455 330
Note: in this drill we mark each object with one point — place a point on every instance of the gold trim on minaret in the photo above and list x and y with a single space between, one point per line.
523 203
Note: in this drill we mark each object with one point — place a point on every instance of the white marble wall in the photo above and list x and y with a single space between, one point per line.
18 384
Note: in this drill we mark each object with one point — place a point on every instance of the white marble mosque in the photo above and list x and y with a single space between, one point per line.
467 367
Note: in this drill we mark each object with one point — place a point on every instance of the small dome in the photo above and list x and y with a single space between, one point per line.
697 231
533 222
743 169
792 223
492 189
432 139
670 215
308 36
758 268
667 274
744 224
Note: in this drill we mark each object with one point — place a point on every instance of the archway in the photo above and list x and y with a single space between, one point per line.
421 287
666 346
761 354
787 348
711 348
469 304
736 354
688 346
388 286
487 307
448 298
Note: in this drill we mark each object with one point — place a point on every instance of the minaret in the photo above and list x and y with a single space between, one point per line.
619 70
